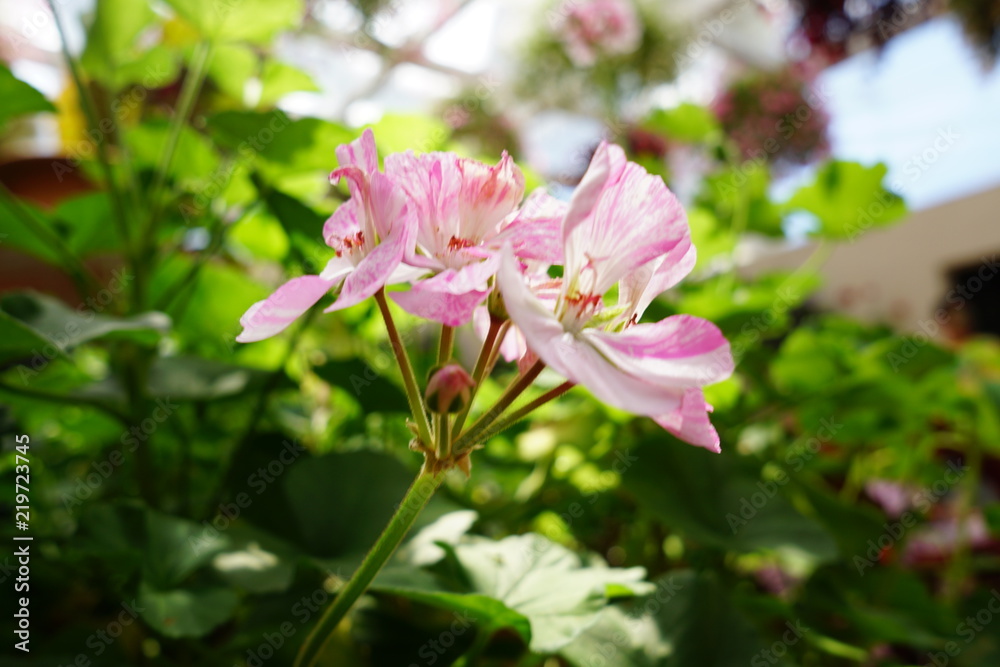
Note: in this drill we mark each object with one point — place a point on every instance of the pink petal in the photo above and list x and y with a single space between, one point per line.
635 220
342 224
679 351
439 305
588 191
534 232
451 296
432 183
360 153
374 271
572 355
690 421
487 195
272 315
638 289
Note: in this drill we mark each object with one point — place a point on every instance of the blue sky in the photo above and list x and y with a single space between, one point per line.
927 107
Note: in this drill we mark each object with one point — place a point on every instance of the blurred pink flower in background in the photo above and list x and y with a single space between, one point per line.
591 28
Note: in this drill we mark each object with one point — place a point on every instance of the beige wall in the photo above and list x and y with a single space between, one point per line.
899 275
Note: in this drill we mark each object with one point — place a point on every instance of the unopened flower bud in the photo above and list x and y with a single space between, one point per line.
496 306
449 389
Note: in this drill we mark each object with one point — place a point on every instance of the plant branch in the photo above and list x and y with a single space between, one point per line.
473 435
399 525
406 368
478 373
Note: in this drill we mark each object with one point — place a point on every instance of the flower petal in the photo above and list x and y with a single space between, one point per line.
679 351
360 153
690 421
573 356
451 296
634 220
272 315
436 303
534 232
638 289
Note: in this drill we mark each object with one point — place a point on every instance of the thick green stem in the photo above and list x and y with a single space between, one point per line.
474 434
478 373
399 525
406 368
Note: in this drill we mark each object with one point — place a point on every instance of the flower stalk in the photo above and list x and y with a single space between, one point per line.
399 525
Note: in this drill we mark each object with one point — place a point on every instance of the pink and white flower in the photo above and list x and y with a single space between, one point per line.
465 211
371 233
590 28
623 226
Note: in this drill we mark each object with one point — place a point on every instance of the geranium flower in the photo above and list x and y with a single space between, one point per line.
623 226
465 212
371 232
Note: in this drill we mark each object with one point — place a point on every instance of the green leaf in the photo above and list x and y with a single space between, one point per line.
687 122
18 97
29 318
255 21
199 379
279 79
232 65
112 42
722 502
166 549
186 612
86 220
400 132
372 391
364 486
848 199
528 577
196 161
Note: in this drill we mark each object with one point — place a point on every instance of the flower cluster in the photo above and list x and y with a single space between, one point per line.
533 277
777 115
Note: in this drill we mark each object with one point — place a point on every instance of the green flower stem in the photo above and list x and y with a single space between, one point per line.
503 424
447 343
406 368
474 434
478 373
399 525
185 105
